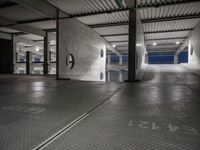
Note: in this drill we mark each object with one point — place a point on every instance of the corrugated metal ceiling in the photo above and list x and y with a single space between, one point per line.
168 11
165 42
170 25
18 13
167 35
112 30
105 18
78 7
117 38
74 7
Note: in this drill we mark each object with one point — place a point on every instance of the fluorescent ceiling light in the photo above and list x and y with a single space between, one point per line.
37 49
138 44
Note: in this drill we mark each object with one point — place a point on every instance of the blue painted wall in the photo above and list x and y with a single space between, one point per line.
115 59
159 58
183 57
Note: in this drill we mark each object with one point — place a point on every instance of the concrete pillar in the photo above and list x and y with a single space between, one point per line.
29 66
47 62
108 75
120 76
132 43
146 58
14 42
120 60
175 58
109 59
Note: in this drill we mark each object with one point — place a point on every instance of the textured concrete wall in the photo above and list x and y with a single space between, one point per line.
194 43
140 49
85 45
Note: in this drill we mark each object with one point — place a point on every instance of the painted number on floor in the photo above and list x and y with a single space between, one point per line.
171 128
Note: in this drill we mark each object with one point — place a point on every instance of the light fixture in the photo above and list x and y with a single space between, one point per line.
114 45
154 44
177 43
138 44
37 49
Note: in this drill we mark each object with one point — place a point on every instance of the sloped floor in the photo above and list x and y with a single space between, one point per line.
159 113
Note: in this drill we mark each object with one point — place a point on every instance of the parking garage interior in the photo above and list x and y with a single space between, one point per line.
99 74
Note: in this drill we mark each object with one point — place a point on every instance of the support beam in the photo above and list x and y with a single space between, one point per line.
120 76
28 61
176 38
29 29
108 75
120 60
129 4
132 42
164 19
14 47
111 48
118 41
30 42
167 31
175 59
122 23
165 3
152 32
46 63
24 28
182 46
173 18
38 6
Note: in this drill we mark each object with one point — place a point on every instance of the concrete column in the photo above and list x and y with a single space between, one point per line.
108 75
109 59
175 59
120 60
146 58
27 62
46 63
29 66
120 76
14 42
132 43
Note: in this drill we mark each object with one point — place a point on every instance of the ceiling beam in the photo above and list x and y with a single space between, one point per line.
165 3
176 38
118 41
29 29
122 23
167 31
151 32
110 35
23 28
130 3
182 46
163 19
38 6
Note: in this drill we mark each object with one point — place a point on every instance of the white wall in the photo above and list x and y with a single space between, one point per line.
194 42
85 45
140 49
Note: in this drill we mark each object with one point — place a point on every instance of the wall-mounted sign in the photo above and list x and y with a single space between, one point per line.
70 61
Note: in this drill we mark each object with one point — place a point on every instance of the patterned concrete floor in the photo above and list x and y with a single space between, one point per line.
159 113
